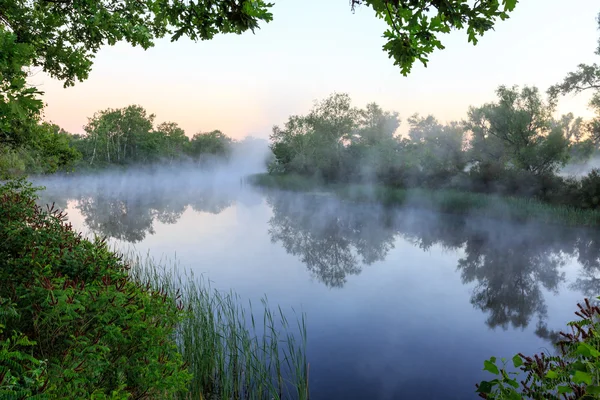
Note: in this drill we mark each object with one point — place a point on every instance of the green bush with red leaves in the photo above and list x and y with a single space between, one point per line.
73 324
572 373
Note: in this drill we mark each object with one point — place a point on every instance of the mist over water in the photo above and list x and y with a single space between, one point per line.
400 303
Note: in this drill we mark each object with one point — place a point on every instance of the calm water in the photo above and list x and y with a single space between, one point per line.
400 304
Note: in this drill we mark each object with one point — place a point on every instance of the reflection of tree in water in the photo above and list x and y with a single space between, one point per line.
332 239
509 264
509 275
211 201
128 218
588 255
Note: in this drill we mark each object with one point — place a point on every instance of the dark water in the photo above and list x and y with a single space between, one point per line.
400 304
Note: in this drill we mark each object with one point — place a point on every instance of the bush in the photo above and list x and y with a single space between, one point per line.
590 190
572 374
73 323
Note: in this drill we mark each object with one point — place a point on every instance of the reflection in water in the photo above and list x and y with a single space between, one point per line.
333 240
128 212
508 265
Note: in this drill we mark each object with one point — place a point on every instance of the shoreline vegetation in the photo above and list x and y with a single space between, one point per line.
441 200
78 320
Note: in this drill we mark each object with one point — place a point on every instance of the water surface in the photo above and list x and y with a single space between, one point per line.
400 304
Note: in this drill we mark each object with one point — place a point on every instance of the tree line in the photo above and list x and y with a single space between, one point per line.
113 137
512 146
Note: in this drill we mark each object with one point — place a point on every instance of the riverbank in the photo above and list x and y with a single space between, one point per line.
79 320
445 201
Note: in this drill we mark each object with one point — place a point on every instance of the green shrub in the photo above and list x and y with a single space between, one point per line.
98 333
590 190
574 373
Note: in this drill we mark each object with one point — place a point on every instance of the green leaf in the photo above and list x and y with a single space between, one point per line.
564 389
513 395
509 5
551 374
582 377
592 389
517 361
513 383
484 387
587 350
488 365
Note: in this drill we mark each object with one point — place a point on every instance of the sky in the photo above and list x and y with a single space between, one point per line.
245 84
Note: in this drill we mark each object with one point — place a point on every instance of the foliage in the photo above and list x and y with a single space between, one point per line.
512 147
19 104
414 26
316 144
100 333
590 190
571 374
64 36
585 78
233 351
517 131
214 143
50 152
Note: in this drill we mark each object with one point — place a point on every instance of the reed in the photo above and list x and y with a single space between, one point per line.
232 350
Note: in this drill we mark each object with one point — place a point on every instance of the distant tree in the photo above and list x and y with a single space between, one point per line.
517 131
175 140
438 148
314 143
121 136
375 125
214 143
54 146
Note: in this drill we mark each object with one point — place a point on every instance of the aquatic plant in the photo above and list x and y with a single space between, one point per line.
232 351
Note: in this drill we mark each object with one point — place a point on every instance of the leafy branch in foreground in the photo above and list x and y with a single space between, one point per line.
572 374
414 25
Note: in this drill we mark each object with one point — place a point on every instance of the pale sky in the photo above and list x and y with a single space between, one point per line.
243 85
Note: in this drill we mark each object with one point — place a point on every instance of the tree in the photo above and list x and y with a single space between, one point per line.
65 35
175 140
517 132
213 143
585 78
439 148
121 136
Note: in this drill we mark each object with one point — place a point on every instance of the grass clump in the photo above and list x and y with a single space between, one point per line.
233 351
79 321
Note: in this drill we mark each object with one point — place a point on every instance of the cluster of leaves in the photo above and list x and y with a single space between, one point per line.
63 36
414 25
572 374
73 322
48 149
